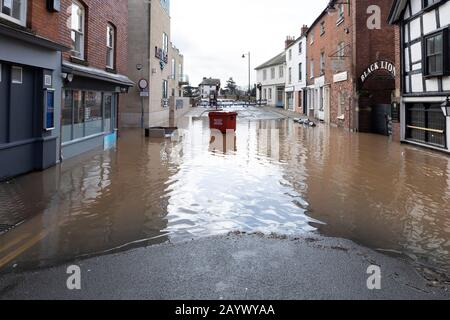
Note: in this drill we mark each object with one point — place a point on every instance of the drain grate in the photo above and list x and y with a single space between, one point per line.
5 228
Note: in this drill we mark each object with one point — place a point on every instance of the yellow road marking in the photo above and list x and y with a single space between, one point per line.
14 242
27 245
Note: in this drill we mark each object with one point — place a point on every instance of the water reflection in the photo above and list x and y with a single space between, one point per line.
272 176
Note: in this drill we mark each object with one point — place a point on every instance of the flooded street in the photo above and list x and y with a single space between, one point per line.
275 176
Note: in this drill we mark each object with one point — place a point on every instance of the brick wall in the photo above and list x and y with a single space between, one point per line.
98 14
43 22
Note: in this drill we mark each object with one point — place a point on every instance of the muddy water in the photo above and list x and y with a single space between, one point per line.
272 176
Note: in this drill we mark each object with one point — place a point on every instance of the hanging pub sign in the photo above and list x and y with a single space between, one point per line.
49 109
378 66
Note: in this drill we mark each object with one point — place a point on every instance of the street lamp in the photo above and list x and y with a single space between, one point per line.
249 72
446 107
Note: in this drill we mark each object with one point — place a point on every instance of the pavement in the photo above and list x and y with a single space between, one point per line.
236 266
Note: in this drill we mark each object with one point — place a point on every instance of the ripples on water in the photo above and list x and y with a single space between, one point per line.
357 186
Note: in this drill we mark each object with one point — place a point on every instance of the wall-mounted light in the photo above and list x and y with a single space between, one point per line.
446 107
67 76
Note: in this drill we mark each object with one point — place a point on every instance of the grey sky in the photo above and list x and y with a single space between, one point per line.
214 34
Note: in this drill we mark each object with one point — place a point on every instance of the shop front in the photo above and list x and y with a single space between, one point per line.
30 91
90 109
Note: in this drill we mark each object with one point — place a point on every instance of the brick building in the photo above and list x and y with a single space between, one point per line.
62 66
30 86
351 66
94 72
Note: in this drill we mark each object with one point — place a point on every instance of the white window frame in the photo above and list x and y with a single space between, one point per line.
83 29
23 14
110 47
21 75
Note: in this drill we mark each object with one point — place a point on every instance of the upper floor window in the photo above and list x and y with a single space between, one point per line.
311 38
281 71
77 29
300 48
436 59
165 43
322 28
14 10
264 74
110 45
427 3
272 73
173 69
290 75
341 13
341 50
290 54
300 71
322 63
311 69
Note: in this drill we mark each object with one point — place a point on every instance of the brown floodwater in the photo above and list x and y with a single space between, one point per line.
273 176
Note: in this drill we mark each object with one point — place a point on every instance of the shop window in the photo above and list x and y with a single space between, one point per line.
78 114
436 58
14 10
108 126
93 113
426 123
16 75
67 116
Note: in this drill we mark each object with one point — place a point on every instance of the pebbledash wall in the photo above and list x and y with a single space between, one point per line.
425 71
30 68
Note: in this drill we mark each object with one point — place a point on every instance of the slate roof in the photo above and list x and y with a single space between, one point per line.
279 59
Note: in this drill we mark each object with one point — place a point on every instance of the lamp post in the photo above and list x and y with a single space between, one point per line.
446 107
249 72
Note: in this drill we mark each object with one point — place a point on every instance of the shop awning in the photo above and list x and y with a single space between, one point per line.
95 73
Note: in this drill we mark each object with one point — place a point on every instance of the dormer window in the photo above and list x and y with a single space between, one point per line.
14 10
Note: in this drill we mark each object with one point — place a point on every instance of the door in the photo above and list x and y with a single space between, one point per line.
381 119
280 98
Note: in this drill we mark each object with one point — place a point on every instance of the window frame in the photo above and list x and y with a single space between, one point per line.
23 14
111 49
82 32
444 54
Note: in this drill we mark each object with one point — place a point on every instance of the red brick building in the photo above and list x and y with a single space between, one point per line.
95 70
351 65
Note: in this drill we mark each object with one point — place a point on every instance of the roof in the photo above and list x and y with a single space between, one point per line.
397 9
210 82
95 73
279 59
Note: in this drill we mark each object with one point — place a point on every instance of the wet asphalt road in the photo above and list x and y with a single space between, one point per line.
230 267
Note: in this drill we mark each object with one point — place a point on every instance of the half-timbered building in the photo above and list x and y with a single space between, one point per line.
425 70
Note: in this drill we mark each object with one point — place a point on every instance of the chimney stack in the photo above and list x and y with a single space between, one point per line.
289 41
304 30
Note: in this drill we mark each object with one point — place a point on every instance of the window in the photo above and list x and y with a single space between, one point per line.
341 104
272 73
435 54
77 30
78 114
322 28
311 69
300 71
270 94
165 43
14 10
322 63
16 75
265 94
264 74
428 3
173 69
341 13
281 71
311 38
290 54
341 50
165 89
426 123
93 113
300 48
67 116
110 45
290 75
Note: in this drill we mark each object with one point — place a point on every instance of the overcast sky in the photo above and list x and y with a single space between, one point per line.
214 34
